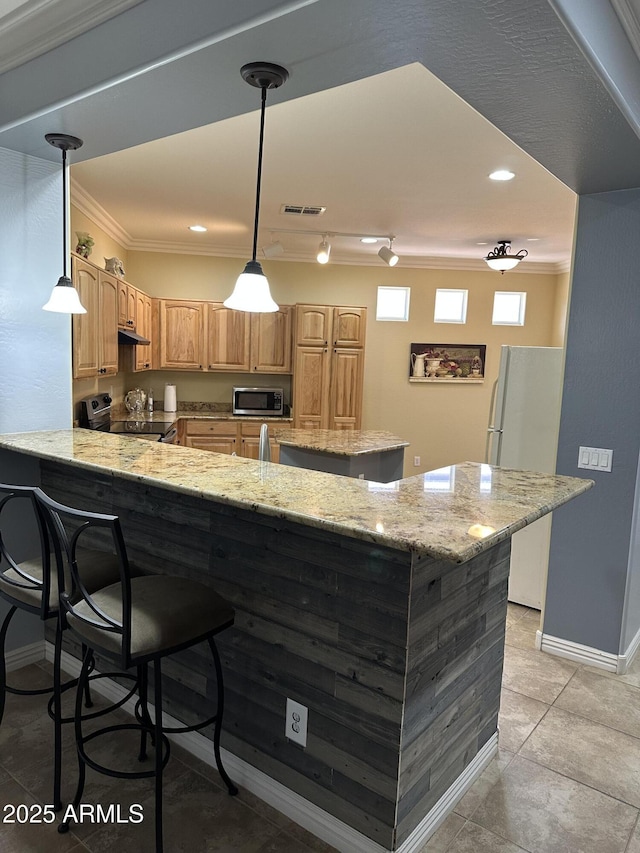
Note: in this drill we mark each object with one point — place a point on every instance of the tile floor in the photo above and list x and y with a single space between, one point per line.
566 780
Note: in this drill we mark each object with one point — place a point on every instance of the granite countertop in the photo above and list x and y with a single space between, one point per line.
452 513
340 442
120 413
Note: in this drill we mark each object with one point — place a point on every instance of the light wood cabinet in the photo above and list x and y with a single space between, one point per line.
226 436
95 334
228 338
143 353
329 367
250 442
182 334
127 306
271 341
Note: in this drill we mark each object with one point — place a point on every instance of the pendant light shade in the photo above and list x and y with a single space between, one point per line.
251 292
64 297
500 258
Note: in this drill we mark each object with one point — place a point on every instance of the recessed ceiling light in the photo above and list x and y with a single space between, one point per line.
198 228
483 243
502 175
532 239
368 239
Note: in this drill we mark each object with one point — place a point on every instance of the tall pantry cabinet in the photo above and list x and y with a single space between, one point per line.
329 367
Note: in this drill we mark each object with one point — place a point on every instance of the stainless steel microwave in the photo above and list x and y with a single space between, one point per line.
258 401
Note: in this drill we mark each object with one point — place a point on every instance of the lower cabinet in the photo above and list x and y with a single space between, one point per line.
225 436
328 388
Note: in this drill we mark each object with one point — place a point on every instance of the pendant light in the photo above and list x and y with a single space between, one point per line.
500 258
251 292
64 297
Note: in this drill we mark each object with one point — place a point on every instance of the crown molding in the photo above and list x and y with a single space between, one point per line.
37 26
94 211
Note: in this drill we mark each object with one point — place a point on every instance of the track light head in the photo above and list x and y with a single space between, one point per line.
324 250
273 249
387 254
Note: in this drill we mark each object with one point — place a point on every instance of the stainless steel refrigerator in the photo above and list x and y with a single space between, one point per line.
523 433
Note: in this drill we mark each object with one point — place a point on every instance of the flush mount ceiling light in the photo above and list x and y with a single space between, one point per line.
324 250
251 292
502 175
64 297
500 258
388 255
199 228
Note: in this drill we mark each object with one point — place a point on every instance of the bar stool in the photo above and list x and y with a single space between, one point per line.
137 621
31 585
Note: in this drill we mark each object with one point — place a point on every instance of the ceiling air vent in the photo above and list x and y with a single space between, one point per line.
302 210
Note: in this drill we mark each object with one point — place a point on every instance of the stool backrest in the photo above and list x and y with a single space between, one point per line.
69 527
25 579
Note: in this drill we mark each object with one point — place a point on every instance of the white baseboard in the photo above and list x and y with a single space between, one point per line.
33 653
625 659
579 653
314 819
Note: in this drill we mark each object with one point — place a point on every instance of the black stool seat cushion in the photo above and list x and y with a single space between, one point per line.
99 568
166 612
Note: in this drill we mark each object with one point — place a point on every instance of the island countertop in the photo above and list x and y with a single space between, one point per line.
451 514
340 442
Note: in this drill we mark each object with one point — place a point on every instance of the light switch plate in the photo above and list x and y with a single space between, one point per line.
595 458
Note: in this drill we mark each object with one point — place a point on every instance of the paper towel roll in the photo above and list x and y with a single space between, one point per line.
170 404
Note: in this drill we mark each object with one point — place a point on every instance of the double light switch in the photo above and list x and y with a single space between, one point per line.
595 458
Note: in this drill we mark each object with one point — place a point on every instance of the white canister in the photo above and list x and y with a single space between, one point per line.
170 402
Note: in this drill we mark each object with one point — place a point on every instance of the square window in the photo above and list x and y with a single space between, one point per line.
451 306
509 308
393 303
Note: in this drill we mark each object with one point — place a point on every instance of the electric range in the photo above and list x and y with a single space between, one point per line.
96 414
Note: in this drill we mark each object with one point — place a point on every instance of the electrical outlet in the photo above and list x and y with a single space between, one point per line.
296 722
416 461
361 476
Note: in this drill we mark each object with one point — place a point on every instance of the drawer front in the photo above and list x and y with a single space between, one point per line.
205 427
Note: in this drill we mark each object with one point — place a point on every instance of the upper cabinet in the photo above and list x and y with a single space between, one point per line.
313 325
126 305
182 334
349 326
95 334
143 352
271 341
228 338
208 336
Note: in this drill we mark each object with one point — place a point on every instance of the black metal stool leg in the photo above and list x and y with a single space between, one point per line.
157 692
3 666
82 680
57 717
145 720
218 723
88 701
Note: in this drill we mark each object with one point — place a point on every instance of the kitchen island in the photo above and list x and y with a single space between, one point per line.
380 607
367 454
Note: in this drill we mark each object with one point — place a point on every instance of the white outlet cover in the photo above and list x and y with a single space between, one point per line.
295 728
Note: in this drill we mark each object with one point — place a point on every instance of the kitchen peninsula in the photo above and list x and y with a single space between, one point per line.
367 454
380 607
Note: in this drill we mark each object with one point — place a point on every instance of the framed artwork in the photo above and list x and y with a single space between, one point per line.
462 363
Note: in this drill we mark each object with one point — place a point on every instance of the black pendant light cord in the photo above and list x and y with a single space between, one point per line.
263 89
65 253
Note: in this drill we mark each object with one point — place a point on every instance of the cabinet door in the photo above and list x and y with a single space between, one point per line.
108 338
347 370
143 327
181 334
250 442
132 316
349 327
219 436
271 341
122 304
85 326
313 324
311 388
228 338
217 444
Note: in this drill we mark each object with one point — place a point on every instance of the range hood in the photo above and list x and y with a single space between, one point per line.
125 336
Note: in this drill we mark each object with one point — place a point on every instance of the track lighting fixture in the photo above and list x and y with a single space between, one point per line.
388 255
251 292
273 249
324 250
64 297
500 258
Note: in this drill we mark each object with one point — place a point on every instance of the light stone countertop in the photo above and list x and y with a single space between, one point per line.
340 442
160 416
440 513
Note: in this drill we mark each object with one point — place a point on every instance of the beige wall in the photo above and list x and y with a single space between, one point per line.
105 246
443 423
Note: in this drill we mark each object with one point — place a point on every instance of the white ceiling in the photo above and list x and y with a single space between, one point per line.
397 153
